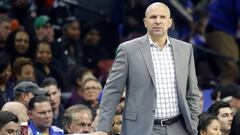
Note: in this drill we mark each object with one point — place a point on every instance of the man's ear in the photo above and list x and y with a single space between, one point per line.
30 114
68 127
170 22
24 96
144 22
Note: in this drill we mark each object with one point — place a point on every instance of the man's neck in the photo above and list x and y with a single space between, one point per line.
161 41
55 112
45 131
94 103
224 132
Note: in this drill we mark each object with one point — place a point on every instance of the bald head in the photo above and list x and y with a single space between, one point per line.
18 109
157 4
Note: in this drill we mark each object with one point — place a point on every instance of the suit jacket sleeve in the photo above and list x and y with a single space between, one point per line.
113 90
193 97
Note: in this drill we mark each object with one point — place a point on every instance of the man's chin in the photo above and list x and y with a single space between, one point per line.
157 34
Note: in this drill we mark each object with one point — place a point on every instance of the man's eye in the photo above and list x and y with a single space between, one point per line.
10 131
224 115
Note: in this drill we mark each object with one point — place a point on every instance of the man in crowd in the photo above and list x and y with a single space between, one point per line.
26 90
41 115
224 113
18 109
77 119
117 124
5 30
231 93
54 97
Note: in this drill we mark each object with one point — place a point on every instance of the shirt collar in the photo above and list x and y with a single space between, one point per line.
155 44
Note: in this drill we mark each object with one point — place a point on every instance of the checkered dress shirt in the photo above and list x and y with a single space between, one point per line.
163 63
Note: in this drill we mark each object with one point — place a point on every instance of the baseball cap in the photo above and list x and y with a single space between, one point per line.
28 86
41 20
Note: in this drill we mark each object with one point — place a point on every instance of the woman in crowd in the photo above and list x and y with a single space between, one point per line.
77 76
208 125
19 45
6 87
9 123
45 67
90 91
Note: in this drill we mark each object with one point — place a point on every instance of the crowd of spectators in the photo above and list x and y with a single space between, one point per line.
54 62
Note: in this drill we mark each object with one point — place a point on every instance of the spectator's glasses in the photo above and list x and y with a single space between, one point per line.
91 88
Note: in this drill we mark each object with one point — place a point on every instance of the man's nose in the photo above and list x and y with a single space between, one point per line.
158 20
48 115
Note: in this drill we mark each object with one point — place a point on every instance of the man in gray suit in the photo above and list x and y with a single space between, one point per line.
162 96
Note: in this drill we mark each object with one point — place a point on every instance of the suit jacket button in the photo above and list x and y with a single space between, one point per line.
153 111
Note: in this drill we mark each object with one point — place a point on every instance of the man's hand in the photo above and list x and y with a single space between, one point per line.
100 133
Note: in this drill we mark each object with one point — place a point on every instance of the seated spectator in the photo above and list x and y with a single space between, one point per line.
77 76
44 29
45 67
93 51
224 113
23 69
9 124
5 30
25 91
77 119
91 89
54 97
117 124
40 113
209 125
18 109
71 43
5 73
231 93
19 45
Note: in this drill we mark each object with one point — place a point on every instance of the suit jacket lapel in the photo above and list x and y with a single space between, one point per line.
146 52
177 57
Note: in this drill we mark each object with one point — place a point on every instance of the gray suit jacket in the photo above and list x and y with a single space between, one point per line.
133 68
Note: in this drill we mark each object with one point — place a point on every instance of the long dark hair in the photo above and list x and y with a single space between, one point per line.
10 45
205 119
6 117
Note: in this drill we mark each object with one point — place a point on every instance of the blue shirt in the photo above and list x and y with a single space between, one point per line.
53 130
224 15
